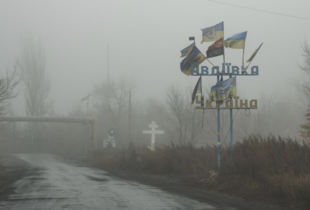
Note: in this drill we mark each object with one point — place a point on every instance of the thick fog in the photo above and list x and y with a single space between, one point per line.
144 39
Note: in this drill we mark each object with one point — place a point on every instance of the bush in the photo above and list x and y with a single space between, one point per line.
266 169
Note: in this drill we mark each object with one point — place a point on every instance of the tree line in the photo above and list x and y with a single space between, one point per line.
174 114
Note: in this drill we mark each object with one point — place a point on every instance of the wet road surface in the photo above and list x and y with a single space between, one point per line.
59 185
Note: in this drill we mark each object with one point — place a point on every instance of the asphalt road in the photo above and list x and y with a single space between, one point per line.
57 184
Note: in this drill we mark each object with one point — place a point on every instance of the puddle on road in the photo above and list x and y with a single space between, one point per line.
97 179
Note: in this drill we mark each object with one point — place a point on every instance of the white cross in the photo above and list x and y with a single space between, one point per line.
153 132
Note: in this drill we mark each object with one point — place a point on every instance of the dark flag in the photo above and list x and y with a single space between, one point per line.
197 89
202 98
215 49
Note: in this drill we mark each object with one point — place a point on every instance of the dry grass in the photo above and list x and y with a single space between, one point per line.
277 167
268 169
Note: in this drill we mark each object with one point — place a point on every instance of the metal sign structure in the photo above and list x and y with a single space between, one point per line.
231 103
223 90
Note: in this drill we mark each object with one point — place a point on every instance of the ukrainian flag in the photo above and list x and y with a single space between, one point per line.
187 50
237 41
223 90
254 53
195 56
213 33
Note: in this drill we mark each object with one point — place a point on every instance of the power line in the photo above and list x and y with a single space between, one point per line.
259 10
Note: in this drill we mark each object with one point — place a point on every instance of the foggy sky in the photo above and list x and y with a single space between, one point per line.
145 39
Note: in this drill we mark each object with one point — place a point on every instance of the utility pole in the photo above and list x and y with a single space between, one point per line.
108 88
129 126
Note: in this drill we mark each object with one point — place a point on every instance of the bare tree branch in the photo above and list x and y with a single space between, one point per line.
7 87
32 63
181 120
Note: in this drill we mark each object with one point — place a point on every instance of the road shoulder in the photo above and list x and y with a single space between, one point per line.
179 185
12 169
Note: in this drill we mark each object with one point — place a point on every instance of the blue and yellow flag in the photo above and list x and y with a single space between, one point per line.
254 53
213 33
195 56
187 50
237 41
223 90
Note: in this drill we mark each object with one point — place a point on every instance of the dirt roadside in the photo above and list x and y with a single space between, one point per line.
11 170
179 185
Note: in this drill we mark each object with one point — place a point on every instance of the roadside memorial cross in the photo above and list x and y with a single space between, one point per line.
110 142
153 126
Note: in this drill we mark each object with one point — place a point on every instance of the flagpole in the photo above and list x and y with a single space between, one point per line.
223 45
209 61
230 111
108 85
243 53
223 51
218 131
243 58
202 103
202 98
231 127
87 105
129 116
218 112
247 66
253 56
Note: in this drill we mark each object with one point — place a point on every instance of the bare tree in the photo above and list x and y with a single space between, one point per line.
182 121
306 68
7 86
113 105
32 63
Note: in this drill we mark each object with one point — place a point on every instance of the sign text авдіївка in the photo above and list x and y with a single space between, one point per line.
227 69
